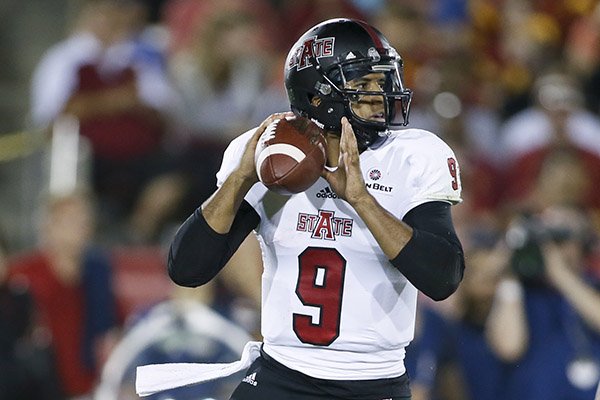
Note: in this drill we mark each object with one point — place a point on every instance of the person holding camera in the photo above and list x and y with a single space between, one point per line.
545 319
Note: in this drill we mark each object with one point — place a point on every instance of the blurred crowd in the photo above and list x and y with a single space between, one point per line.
146 96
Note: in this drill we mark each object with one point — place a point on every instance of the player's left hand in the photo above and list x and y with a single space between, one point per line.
346 180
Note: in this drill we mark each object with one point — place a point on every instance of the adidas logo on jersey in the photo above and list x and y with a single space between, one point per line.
326 193
251 379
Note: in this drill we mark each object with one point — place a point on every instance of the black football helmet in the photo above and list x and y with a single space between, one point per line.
328 56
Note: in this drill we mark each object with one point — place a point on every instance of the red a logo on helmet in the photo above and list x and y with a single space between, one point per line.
312 47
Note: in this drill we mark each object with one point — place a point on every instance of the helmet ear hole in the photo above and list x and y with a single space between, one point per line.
331 113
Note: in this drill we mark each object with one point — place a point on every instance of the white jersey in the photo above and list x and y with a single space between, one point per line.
333 306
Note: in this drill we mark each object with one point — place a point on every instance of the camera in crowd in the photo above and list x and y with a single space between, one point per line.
526 237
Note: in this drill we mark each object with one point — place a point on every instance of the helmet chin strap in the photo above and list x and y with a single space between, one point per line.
366 138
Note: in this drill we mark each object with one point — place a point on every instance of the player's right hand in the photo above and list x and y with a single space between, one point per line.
247 169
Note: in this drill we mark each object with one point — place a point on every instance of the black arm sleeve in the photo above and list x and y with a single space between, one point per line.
433 259
198 253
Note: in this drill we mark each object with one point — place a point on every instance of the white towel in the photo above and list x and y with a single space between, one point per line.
155 378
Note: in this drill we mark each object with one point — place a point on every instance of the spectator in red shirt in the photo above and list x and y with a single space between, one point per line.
113 80
71 284
557 127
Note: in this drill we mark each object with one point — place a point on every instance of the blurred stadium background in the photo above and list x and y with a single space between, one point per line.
512 85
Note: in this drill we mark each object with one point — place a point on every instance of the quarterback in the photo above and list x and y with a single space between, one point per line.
343 261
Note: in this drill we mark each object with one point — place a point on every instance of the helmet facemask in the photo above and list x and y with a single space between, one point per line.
372 91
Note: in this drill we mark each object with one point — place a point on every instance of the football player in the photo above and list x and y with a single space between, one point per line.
341 273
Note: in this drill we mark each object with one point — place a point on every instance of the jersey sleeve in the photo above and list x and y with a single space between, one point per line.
232 156
231 159
431 173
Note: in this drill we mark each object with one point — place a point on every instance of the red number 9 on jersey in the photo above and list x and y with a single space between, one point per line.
453 172
321 285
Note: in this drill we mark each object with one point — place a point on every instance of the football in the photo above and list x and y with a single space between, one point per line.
290 155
